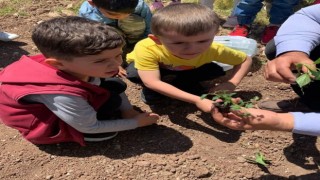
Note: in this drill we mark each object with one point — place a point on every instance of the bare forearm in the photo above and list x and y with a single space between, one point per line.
268 120
285 122
258 120
240 71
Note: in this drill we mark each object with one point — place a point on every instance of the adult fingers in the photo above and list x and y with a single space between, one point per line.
278 72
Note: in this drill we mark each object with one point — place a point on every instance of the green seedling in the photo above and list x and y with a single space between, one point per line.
304 78
227 104
260 159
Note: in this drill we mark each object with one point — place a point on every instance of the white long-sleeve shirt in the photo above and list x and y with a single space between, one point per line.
79 114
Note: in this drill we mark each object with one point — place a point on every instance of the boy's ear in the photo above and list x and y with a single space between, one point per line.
53 62
91 3
155 39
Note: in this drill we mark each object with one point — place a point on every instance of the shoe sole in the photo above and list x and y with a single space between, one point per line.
292 108
100 139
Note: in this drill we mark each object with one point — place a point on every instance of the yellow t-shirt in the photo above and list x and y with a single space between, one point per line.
148 55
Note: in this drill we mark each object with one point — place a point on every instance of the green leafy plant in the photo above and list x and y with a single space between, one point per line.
227 104
259 159
304 78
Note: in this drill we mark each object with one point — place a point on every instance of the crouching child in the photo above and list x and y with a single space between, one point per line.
61 95
178 55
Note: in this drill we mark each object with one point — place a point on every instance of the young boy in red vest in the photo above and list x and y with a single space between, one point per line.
62 95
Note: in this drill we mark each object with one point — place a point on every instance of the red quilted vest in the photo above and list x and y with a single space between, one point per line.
35 121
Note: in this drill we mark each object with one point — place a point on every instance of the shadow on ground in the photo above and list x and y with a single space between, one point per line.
184 115
179 113
156 139
312 176
11 51
248 95
303 152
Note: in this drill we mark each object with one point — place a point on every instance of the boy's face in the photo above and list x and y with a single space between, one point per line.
103 65
185 47
113 15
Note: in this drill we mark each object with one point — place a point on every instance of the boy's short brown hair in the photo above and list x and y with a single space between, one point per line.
184 18
67 37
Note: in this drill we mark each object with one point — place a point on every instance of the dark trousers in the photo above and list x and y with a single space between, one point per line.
309 94
110 109
185 80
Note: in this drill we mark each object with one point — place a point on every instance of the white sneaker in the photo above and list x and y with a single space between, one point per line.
5 36
231 22
99 136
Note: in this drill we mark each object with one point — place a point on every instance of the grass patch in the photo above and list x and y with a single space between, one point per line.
20 7
75 8
10 7
6 11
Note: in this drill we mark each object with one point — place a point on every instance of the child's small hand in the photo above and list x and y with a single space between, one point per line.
146 119
226 86
122 72
204 105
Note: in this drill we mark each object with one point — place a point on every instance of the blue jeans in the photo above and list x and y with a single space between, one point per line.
247 10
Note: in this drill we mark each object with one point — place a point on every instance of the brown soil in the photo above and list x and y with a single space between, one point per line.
185 144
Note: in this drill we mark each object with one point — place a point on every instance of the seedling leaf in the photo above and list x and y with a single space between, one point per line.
203 96
317 61
241 102
260 159
215 98
256 98
249 106
303 80
316 75
235 107
227 104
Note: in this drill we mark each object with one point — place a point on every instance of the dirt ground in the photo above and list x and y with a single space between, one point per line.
185 144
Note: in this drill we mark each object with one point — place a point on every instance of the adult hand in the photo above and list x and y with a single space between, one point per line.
254 119
280 68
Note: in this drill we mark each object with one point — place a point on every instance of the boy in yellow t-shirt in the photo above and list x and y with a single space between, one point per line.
179 54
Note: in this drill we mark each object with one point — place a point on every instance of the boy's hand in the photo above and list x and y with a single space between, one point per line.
226 86
146 119
255 119
122 72
204 105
